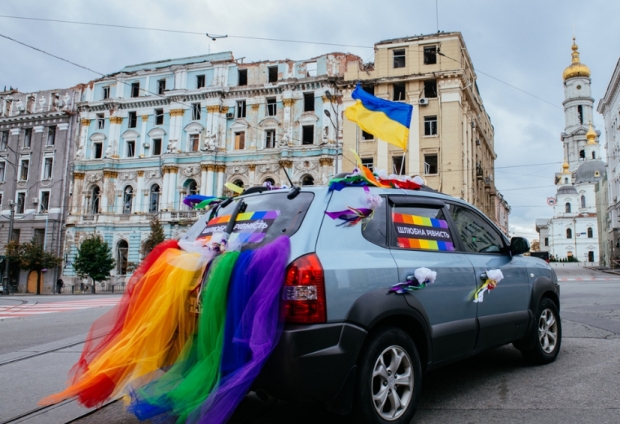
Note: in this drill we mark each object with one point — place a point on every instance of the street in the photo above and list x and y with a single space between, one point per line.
41 343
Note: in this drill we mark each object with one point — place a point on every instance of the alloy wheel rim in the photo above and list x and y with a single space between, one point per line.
392 383
548 331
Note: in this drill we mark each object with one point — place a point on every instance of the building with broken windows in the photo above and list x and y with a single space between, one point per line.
36 133
155 132
451 139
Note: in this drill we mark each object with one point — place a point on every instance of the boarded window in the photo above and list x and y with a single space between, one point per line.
239 140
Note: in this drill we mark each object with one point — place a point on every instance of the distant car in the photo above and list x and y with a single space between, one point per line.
349 342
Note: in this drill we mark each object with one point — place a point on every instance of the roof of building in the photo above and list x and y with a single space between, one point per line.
567 190
213 57
576 69
590 171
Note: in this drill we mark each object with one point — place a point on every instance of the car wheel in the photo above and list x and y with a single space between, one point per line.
548 334
389 379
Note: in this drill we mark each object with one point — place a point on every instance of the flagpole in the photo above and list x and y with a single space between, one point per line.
402 162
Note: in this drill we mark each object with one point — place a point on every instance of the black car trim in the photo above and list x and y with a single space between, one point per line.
454 339
416 200
499 329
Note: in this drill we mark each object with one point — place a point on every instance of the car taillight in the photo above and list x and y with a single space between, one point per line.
304 291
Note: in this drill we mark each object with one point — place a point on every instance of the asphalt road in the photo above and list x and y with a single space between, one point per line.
582 386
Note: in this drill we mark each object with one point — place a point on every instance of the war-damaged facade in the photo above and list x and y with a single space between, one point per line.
36 134
155 132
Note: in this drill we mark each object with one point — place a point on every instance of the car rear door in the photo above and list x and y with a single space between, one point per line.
419 236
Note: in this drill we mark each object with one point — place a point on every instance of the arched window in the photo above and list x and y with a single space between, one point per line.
238 183
593 155
582 154
122 250
583 201
567 207
569 233
546 241
307 180
270 181
154 199
580 113
94 200
191 186
565 180
590 232
127 200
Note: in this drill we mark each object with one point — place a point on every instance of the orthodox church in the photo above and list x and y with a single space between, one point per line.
572 232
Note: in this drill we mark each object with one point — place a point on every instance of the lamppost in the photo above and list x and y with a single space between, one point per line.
336 126
5 278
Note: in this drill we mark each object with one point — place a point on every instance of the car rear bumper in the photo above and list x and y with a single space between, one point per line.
311 362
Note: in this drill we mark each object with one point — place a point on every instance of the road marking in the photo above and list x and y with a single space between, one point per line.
31 309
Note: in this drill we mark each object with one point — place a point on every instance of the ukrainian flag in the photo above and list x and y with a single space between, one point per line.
384 119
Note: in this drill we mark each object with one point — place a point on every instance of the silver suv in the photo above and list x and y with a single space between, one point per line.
355 344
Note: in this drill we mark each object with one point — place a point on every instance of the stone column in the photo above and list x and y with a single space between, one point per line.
252 175
115 135
289 122
139 199
163 200
172 183
176 129
221 179
108 193
78 187
209 190
85 124
326 170
203 179
140 146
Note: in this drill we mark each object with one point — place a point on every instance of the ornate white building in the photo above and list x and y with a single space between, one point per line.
573 230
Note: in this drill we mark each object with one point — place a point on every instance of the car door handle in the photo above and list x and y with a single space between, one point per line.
483 276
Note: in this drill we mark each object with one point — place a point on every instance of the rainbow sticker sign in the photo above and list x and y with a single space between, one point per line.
250 227
420 232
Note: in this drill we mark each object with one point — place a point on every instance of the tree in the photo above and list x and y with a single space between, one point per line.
155 237
31 257
94 259
535 246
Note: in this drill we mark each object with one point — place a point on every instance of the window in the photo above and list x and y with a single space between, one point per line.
194 142
239 140
368 163
477 235
307 180
270 139
546 241
97 150
154 199
243 76
590 232
127 200
580 114
430 125
195 111
311 69
399 58
0 198
430 164
590 256
583 201
15 235
307 134
594 157
122 253
159 117
200 81
161 86
567 207
430 55
582 154
398 91
2 170
27 137
51 136
269 181
131 149
367 136
47 168
156 146
241 109
565 180
39 236
569 233
413 236
105 93
100 121
397 165
23 169
271 106
94 201
430 88
273 73
308 102
135 89
192 186
21 202
133 120
4 139
370 89
44 203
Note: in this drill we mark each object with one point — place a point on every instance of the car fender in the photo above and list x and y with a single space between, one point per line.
541 286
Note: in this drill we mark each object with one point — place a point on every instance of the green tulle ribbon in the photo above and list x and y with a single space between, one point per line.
207 202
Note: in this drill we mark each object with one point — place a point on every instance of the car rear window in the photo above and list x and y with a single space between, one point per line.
265 217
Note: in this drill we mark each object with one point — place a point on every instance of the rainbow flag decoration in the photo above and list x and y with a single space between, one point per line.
384 119
420 232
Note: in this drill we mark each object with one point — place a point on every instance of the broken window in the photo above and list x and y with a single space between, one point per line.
430 55
368 163
200 81
2 170
51 136
398 91
135 89
44 203
270 139
430 88
240 140
430 125
271 106
156 146
21 203
397 165
161 86
399 58
94 202
159 117
370 89
154 199
133 120
194 142
367 136
307 134
23 170
430 164
47 168
105 93
311 70
273 73
195 111
243 76
580 113
27 137
241 109
127 200
100 121
97 150
308 102
131 149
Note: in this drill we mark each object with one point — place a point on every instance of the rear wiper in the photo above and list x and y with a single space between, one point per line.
294 190
233 217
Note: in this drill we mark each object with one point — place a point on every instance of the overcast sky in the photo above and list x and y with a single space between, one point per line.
525 44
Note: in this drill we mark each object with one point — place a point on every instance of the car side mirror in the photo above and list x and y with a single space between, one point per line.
519 245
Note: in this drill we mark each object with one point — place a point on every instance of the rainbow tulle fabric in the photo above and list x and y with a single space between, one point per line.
172 362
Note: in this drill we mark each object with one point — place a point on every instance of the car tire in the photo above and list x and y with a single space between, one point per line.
547 333
389 379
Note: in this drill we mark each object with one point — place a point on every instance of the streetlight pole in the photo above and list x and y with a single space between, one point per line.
5 279
336 126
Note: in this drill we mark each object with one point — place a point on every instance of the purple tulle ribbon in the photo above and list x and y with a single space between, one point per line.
351 216
192 199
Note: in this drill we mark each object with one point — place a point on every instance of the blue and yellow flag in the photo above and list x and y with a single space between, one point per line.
384 119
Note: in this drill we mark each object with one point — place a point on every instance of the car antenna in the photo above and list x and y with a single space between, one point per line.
294 190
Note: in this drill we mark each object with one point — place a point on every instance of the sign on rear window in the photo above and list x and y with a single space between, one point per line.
250 227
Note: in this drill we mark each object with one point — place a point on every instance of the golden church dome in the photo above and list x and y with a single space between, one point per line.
565 168
576 69
591 135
